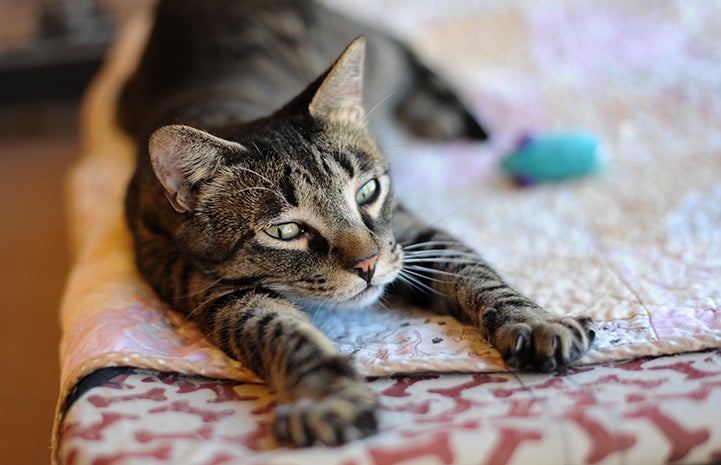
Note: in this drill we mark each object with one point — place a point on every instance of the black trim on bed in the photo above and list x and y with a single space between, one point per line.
93 380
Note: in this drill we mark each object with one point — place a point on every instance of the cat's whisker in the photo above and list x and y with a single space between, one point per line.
431 260
431 255
443 251
383 302
377 105
312 314
424 276
419 245
413 283
255 146
260 188
248 170
189 315
367 116
470 202
386 149
416 283
202 289
272 189
442 255
424 269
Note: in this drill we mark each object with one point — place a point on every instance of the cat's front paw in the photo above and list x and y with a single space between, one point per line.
542 342
335 419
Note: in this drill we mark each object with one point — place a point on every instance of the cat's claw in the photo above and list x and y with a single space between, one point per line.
545 344
332 420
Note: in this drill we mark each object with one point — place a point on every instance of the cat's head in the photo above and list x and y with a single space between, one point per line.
299 203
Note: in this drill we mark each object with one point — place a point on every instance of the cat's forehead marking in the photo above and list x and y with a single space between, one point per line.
344 161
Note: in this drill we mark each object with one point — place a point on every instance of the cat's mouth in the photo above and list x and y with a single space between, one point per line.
370 294
363 298
349 294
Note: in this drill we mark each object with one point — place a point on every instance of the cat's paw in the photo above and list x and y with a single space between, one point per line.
331 420
543 343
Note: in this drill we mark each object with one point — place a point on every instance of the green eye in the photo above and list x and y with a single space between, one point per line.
284 231
367 193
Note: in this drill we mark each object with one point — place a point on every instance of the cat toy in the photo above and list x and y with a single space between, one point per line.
553 157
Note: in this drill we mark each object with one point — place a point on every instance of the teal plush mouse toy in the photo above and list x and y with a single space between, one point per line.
553 157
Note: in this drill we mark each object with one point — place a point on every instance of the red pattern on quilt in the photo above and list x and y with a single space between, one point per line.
224 391
645 411
436 445
156 394
183 406
605 442
161 453
254 439
510 440
400 387
94 431
204 432
681 439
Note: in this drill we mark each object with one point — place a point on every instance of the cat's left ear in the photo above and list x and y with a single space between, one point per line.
340 95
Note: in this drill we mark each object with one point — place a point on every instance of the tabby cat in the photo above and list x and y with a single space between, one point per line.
258 197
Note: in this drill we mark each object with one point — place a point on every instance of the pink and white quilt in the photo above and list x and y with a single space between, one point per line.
637 247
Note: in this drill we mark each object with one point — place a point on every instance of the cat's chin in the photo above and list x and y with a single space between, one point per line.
363 299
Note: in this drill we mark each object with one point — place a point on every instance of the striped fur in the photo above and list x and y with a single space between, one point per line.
256 201
457 281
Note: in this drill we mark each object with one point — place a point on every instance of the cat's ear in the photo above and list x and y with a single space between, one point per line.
182 158
340 95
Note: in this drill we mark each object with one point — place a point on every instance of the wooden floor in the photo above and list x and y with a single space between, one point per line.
37 145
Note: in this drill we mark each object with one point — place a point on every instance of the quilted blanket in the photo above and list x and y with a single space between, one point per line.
637 247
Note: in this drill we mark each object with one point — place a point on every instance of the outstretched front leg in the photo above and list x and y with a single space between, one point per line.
457 281
322 398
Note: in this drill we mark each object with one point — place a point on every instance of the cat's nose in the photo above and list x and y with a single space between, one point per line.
366 267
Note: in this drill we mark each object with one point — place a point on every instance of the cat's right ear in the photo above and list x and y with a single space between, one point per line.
183 158
340 94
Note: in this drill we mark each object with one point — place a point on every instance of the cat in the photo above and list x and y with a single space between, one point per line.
260 194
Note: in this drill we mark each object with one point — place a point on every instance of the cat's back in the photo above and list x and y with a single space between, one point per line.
211 60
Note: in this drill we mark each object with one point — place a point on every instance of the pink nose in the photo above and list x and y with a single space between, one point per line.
366 267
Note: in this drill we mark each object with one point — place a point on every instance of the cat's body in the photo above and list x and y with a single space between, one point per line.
258 197
225 62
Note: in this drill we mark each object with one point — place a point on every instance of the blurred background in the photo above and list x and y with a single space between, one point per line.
49 49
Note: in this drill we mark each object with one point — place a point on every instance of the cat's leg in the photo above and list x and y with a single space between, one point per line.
403 91
321 398
441 271
431 109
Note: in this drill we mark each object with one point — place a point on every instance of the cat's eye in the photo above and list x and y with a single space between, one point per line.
284 231
368 192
